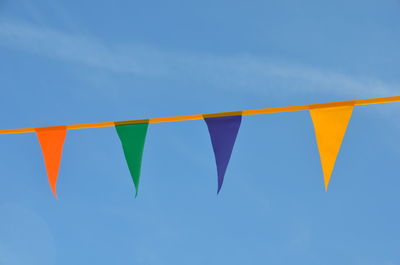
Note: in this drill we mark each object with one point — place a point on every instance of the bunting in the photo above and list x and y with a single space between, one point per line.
330 121
133 137
51 141
330 126
223 132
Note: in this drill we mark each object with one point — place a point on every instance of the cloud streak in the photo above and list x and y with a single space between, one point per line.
63 46
238 70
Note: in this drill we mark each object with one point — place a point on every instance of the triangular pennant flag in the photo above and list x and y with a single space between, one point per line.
133 137
51 140
223 132
330 126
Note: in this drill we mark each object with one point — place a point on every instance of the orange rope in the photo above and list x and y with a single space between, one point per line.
219 114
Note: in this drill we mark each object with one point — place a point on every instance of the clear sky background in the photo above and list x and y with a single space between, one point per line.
65 62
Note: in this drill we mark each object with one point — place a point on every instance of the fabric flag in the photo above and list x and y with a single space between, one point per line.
133 137
51 140
330 126
223 132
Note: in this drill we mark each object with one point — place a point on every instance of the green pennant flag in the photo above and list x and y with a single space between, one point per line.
133 137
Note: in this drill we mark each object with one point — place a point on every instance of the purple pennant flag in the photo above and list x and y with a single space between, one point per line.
223 132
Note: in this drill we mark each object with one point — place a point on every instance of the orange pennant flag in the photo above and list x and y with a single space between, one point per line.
51 140
330 126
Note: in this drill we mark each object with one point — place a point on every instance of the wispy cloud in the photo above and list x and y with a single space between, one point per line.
64 46
238 70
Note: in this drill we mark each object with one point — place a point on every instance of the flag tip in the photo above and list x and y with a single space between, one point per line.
53 189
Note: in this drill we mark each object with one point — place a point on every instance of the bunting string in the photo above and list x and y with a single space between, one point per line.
330 122
219 114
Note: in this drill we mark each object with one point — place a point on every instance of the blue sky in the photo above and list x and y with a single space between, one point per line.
91 61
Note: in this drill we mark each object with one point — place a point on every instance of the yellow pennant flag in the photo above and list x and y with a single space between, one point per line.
330 126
